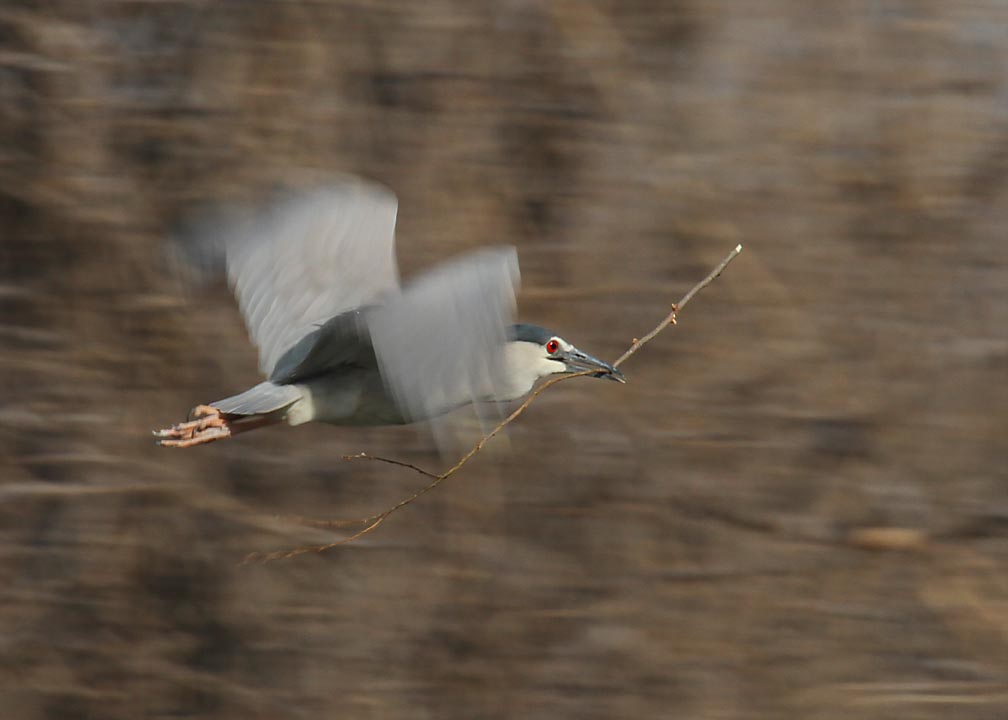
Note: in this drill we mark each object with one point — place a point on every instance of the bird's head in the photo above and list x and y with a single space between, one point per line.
536 352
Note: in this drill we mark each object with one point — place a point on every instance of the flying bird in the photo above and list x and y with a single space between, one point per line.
341 342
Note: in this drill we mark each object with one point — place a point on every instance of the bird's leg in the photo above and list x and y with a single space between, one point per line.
205 426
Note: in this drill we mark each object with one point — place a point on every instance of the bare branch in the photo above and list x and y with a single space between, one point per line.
670 319
400 463
372 522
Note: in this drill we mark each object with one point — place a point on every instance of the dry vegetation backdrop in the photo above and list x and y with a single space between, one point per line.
796 509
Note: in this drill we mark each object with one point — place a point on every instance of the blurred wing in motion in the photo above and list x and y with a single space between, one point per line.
309 259
439 344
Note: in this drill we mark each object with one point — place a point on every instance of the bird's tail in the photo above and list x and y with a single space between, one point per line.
264 404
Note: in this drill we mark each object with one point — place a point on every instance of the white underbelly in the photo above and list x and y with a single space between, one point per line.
355 397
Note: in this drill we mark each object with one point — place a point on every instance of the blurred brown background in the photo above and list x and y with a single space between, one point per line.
796 508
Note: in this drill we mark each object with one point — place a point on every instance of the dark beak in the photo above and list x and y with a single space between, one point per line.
576 361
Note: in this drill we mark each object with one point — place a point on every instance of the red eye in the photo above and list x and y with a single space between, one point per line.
552 346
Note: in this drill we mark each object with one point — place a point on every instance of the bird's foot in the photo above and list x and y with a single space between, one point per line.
205 425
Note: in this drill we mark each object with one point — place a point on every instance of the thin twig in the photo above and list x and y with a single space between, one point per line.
372 522
671 318
400 463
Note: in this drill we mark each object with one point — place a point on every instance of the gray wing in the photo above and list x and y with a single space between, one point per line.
439 344
311 258
342 340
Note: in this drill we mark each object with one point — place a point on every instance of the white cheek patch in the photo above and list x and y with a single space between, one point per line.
525 363
548 366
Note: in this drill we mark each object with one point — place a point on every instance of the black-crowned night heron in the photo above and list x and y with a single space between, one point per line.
340 342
